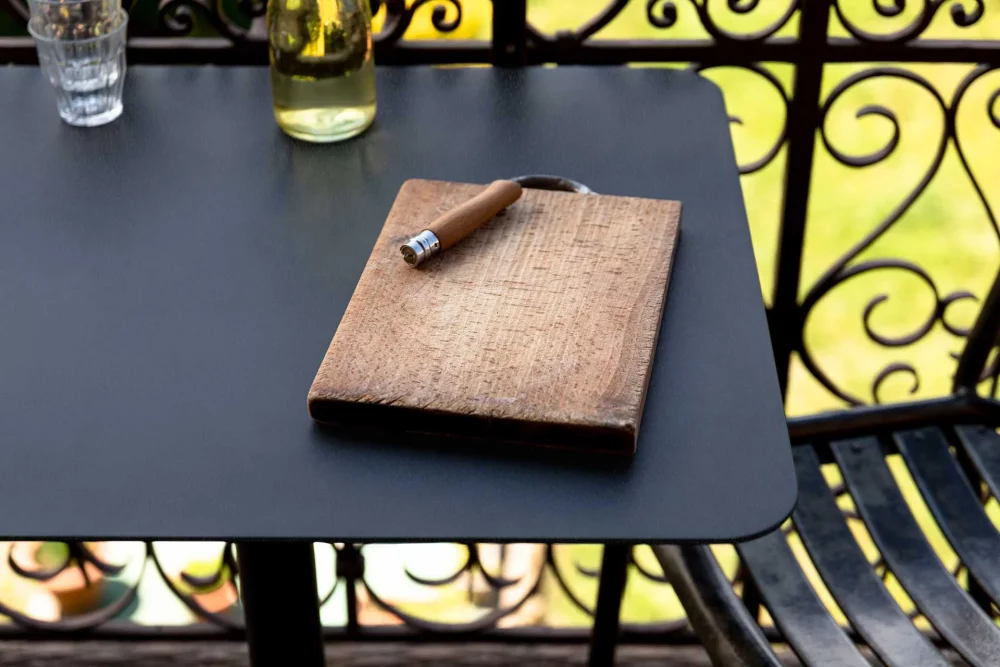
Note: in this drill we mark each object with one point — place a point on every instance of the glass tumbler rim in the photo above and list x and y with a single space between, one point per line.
55 3
112 33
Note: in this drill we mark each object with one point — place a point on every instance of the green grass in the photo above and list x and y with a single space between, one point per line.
946 231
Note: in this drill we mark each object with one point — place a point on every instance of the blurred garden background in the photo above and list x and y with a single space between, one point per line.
949 231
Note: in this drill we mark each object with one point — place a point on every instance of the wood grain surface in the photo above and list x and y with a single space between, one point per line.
540 327
462 220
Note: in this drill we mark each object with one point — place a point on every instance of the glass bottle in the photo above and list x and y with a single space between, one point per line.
322 69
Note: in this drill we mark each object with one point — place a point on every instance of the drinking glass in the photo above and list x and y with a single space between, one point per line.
81 50
74 19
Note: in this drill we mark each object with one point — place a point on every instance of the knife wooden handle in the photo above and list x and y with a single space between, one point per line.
464 219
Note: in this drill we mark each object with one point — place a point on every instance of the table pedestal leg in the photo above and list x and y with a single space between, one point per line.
614 567
280 603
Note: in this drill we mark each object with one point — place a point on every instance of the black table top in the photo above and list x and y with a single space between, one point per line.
170 282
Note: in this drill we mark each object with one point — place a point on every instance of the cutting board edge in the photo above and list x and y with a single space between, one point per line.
671 263
612 438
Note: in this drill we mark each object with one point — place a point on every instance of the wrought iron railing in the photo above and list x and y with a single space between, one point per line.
815 57
495 595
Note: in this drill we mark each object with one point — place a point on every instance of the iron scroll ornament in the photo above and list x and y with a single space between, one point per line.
846 267
960 16
664 14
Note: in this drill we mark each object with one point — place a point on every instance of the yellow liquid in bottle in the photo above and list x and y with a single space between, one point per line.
322 72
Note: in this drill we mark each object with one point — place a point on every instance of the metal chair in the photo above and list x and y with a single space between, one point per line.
952 451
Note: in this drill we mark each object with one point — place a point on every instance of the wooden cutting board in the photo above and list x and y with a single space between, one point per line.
538 328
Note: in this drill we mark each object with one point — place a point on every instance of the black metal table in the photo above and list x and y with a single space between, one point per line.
169 283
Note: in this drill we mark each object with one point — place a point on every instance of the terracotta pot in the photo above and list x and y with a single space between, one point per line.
219 599
72 591
215 599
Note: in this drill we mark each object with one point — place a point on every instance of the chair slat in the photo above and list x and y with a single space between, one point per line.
982 444
849 576
789 597
954 504
896 533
